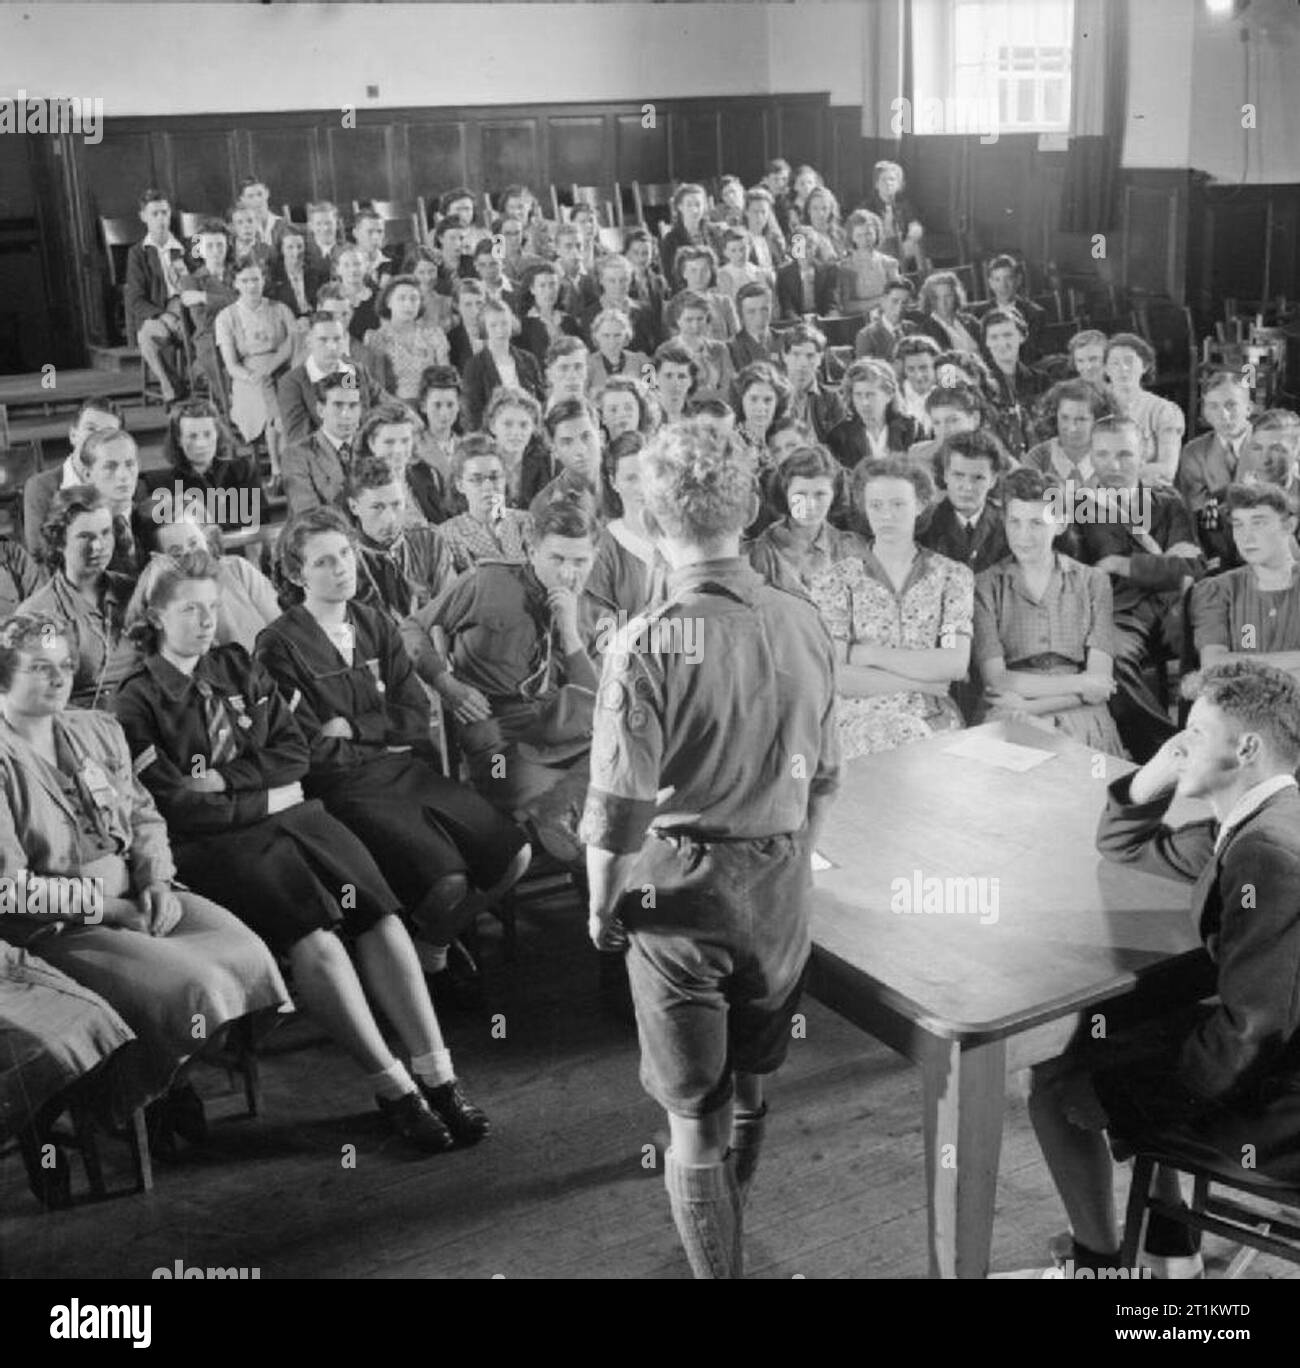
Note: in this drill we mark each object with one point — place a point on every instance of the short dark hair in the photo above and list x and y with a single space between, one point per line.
1137 344
1027 485
152 195
805 463
1004 315
385 415
385 309
438 377
293 538
803 334
195 410
339 380
565 514
1259 698
1076 391
974 446
569 409
1240 497
373 472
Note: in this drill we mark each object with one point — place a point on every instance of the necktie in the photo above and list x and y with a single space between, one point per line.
345 453
221 735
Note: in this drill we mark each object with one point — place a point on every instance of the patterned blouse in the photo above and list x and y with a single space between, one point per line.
471 541
407 352
935 607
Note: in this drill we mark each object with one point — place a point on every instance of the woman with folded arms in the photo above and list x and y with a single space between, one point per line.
218 747
86 597
366 718
178 968
1044 624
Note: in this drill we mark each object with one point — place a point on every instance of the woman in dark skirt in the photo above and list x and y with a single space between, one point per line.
219 749
366 717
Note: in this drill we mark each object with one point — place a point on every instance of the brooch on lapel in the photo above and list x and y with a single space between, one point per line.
374 670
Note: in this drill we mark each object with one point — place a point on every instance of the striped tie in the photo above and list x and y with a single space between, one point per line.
221 735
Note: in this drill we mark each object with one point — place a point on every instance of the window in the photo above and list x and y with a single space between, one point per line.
1015 54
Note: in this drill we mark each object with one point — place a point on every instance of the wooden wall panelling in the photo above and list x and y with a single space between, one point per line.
509 154
579 150
287 158
438 154
1154 239
743 144
200 170
800 130
696 155
641 153
116 170
360 163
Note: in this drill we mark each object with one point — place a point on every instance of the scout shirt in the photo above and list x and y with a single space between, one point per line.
705 741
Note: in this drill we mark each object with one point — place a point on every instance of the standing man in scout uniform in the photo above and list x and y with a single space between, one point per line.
713 760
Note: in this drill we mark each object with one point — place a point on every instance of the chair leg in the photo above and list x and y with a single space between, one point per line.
1135 1217
83 1126
137 1133
252 1069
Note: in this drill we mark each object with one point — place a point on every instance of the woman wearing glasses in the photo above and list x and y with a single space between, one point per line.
488 528
178 968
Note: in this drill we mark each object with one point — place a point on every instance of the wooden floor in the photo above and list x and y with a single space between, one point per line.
561 1190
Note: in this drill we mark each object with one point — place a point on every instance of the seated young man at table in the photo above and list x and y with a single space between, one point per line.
964 525
400 567
1221 1079
503 647
1142 536
1252 612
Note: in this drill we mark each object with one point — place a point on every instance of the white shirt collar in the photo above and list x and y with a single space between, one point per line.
73 473
1249 803
171 245
316 375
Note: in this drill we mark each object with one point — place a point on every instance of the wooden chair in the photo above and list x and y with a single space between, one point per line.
82 1135
119 235
393 210
842 331
17 464
625 205
654 203
295 214
565 199
1270 1223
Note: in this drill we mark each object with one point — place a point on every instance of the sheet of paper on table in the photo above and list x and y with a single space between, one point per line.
820 862
1004 754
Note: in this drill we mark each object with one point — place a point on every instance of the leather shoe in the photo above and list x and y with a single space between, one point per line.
411 1117
464 1120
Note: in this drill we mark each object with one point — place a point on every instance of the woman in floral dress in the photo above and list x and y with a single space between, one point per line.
901 619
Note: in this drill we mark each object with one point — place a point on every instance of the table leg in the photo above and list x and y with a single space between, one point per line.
965 1092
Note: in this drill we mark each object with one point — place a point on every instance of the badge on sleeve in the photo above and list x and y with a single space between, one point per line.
145 759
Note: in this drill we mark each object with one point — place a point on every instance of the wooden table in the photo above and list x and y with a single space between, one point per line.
966 997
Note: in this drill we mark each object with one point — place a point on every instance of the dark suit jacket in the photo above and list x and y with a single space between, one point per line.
1205 470
1246 905
535 340
146 289
298 407
939 529
313 474
1035 317
848 439
482 379
879 341
313 277
789 290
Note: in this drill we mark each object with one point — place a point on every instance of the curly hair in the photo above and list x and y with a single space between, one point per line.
1258 698
762 373
700 484
893 468
67 505
807 463
22 632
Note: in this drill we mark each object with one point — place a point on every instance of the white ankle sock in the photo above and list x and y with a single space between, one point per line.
433 1068
392 1082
